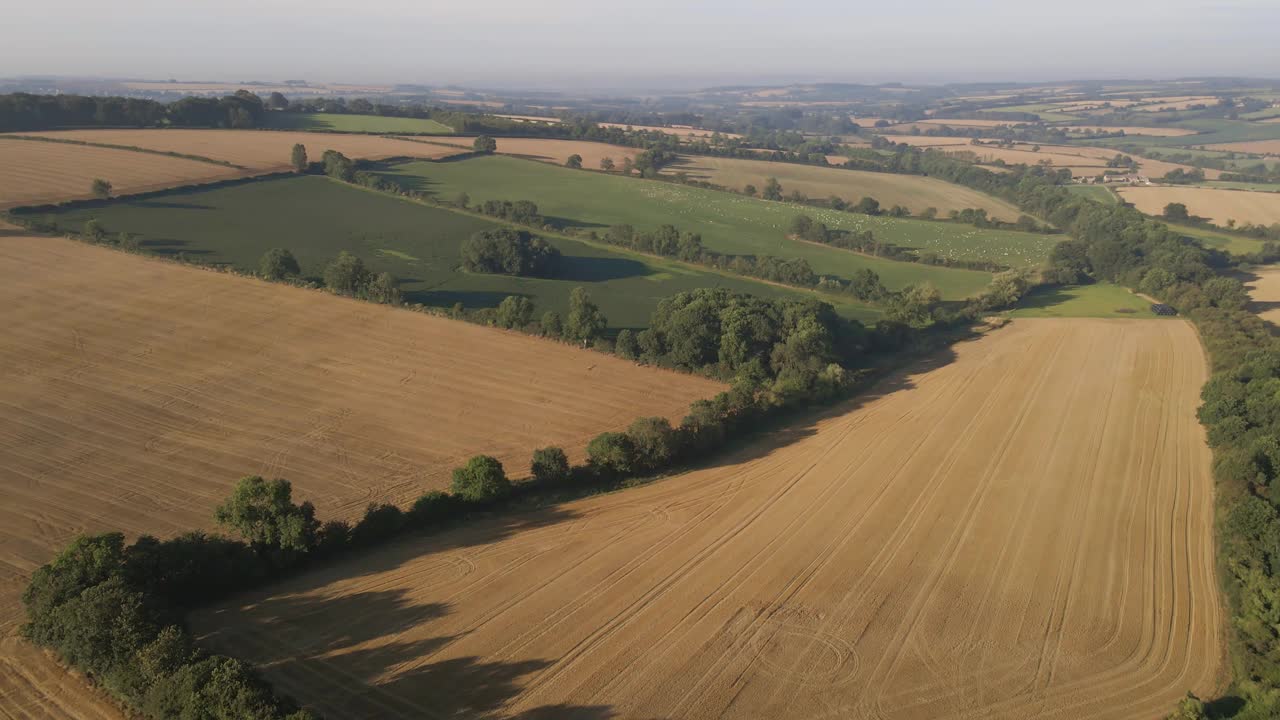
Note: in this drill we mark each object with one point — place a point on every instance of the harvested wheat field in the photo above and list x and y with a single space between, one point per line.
554 151
684 131
1025 532
259 150
1243 206
33 172
1259 147
1264 288
911 191
135 392
1080 159
928 140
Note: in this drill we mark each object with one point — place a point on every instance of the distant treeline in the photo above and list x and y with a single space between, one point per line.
23 111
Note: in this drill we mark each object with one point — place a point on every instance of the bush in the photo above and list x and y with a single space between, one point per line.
482 479
433 508
379 523
550 465
485 144
514 312
653 442
346 275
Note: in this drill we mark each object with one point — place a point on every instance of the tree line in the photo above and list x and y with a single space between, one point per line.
24 111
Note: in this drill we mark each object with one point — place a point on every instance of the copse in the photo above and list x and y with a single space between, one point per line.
485 144
506 251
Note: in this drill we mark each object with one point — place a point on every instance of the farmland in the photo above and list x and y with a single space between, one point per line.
136 392
681 131
1095 300
316 218
1025 531
728 223
1217 205
342 122
258 150
40 172
911 191
1264 289
554 151
1262 147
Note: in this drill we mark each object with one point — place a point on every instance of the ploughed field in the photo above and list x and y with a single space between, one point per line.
134 394
261 150
1024 532
33 172
316 218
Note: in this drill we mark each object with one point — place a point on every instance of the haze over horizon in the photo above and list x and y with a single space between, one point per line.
663 43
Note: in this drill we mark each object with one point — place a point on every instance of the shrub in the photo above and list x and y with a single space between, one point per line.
433 508
653 442
550 465
482 479
379 523
484 144
100 188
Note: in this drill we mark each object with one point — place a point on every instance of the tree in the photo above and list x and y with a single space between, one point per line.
626 346
485 144
101 189
299 158
867 206
507 251
574 161
611 454
550 465
772 189
914 305
653 442
463 200
552 325
94 231
277 101
346 275
585 322
263 512
606 164
383 289
87 561
515 311
278 264
627 165
749 189
338 166
1176 212
482 479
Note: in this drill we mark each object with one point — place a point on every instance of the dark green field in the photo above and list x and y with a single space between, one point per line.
338 122
729 223
316 218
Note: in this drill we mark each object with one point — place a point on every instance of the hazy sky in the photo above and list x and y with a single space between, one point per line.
605 43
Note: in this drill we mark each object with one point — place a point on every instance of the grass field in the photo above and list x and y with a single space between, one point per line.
136 393
728 223
1024 532
1101 193
1220 240
316 218
260 150
914 192
1099 300
1218 206
33 172
338 122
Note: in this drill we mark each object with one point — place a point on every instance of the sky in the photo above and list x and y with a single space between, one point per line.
562 44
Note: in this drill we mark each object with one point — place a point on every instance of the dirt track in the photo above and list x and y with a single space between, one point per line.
134 393
1025 532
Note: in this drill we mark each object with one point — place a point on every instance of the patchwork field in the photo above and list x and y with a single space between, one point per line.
728 223
683 131
1023 532
34 172
912 191
316 218
1261 147
342 122
259 150
134 393
1217 205
1133 130
1080 159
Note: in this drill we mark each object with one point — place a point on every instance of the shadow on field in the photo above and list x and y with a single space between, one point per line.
563 223
470 299
171 205
582 268
365 646
171 246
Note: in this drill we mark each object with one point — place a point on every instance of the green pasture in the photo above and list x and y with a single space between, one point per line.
336 122
1101 193
316 218
728 223
1102 300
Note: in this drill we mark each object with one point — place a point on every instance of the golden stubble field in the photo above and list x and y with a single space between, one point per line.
552 150
1024 532
34 172
1219 205
912 191
261 150
135 392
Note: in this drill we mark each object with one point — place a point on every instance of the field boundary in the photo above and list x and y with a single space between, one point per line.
130 148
